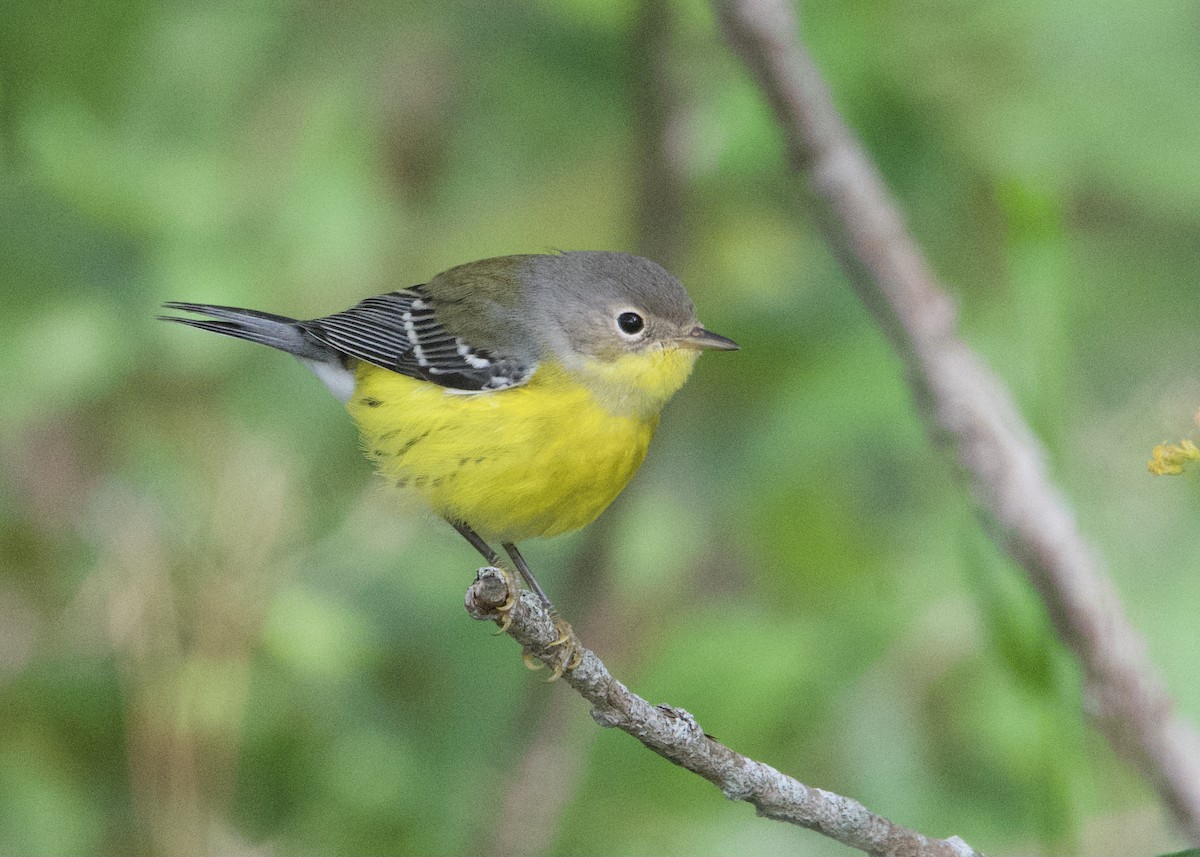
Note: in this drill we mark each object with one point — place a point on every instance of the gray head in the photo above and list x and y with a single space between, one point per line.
605 305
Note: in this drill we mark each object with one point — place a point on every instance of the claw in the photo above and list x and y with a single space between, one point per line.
571 654
531 662
514 590
571 658
505 609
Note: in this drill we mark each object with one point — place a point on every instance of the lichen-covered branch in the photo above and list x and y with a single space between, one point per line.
968 410
675 735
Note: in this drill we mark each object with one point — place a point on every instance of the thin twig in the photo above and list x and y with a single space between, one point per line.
676 736
969 411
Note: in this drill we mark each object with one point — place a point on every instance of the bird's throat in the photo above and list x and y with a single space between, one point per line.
636 385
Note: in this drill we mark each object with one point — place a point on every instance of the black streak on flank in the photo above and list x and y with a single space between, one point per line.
371 402
388 435
409 444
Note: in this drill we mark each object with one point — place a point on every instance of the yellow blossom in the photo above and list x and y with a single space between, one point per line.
1170 459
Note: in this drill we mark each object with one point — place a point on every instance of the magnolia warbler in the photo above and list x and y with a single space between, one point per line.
516 396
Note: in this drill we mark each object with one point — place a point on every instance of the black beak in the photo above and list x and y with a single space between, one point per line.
698 337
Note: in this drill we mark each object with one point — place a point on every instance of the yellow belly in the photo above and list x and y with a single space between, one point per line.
537 460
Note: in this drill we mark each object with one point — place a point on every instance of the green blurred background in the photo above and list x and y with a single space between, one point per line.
217 635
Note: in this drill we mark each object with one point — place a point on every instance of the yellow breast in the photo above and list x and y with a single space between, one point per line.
536 460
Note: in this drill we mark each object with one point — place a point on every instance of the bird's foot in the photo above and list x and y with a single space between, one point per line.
569 651
562 654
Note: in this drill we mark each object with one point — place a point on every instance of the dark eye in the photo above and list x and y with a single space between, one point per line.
630 323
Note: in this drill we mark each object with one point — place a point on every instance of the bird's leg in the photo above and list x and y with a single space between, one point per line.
523 567
493 559
572 654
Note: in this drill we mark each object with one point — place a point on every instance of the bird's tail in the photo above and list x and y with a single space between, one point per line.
276 331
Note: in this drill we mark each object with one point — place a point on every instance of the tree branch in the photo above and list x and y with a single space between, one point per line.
969 411
676 736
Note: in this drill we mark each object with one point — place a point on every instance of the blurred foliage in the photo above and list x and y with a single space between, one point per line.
218 636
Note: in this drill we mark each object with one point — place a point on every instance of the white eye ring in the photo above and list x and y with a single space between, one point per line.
631 324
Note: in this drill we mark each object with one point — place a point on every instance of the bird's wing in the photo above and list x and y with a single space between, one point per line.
400 331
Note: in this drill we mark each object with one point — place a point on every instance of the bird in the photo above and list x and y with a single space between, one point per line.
515 396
